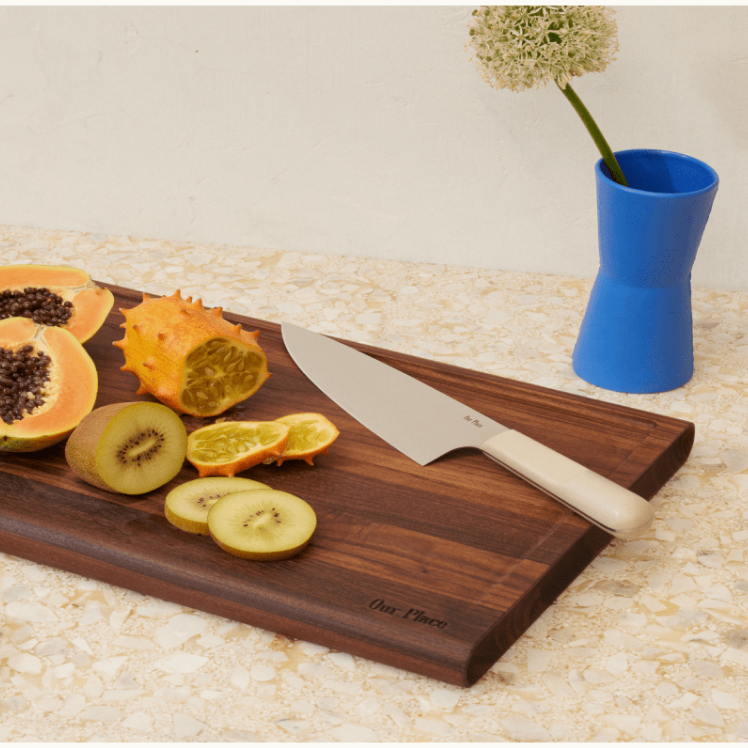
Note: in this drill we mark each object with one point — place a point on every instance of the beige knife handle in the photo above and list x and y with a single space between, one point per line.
613 508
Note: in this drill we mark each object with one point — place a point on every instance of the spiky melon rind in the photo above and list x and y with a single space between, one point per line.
159 336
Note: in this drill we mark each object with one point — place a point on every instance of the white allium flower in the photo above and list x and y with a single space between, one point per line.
526 46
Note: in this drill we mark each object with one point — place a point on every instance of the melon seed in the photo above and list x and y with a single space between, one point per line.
38 304
22 380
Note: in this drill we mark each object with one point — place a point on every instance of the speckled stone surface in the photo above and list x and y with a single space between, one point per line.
650 643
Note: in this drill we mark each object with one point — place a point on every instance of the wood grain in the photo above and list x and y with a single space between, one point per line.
435 569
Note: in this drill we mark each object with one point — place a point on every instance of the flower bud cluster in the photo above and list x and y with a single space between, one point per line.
520 46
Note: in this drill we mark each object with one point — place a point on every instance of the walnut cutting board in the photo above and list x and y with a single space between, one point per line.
435 569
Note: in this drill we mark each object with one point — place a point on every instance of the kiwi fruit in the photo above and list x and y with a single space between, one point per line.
187 505
128 448
262 524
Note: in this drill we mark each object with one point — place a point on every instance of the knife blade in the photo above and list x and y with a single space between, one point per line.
424 424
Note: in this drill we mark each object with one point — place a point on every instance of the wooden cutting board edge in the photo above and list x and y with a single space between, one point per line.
558 577
446 667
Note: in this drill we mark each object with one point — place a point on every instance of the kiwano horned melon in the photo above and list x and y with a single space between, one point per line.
191 359
48 383
54 295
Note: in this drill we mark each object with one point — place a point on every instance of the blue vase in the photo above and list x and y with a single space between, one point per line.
637 332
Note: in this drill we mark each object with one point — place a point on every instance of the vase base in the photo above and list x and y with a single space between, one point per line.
636 340
650 388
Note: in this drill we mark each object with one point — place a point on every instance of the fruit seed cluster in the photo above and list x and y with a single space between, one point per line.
38 304
23 376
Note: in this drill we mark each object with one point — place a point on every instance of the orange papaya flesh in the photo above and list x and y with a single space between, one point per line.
55 295
51 365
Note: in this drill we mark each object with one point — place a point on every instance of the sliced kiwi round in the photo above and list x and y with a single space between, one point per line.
262 524
128 448
187 505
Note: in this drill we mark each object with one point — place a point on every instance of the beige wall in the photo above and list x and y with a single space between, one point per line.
354 130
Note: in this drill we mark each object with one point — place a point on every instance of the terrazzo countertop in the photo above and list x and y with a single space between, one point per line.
649 643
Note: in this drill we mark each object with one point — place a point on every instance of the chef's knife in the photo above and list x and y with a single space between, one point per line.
425 424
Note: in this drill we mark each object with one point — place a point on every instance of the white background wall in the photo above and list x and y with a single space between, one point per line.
359 130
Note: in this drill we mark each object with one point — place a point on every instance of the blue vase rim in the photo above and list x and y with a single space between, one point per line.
671 154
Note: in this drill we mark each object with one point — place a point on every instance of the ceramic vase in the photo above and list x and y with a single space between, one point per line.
637 332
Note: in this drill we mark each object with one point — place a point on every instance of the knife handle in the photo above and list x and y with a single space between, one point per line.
615 509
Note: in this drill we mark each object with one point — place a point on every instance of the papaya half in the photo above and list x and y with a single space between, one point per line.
54 295
48 383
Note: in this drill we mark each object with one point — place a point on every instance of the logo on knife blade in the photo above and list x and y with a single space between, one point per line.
474 421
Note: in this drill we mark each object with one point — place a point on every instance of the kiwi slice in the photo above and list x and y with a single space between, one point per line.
187 506
129 448
262 524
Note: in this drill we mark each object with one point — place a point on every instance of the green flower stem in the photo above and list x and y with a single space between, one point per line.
597 136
